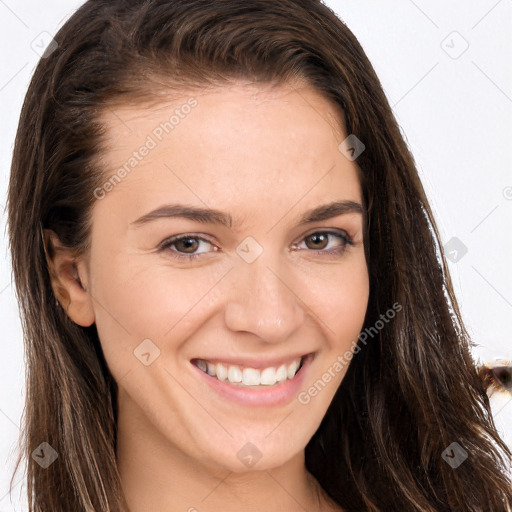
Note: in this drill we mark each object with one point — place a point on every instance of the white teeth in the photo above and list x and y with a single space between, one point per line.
268 376
234 374
221 372
250 376
292 369
281 373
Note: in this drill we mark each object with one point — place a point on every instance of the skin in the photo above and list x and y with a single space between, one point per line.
265 156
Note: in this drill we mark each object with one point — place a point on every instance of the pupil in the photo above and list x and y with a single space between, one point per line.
316 238
188 242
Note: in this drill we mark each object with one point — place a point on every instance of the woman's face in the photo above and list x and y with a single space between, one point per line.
258 291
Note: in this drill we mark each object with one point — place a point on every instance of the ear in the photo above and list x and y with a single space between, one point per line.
69 280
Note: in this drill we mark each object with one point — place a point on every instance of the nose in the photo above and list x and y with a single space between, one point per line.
264 302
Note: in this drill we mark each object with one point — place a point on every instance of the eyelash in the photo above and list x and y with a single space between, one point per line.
166 244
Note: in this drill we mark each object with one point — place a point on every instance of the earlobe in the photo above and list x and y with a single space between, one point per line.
68 277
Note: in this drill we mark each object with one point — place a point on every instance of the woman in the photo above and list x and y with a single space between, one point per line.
197 351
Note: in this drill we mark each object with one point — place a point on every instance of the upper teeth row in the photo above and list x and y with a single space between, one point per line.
250 376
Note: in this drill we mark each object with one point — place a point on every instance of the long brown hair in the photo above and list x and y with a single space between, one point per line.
409 393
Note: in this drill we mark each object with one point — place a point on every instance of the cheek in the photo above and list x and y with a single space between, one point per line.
136 302
348 316
340 300
340 304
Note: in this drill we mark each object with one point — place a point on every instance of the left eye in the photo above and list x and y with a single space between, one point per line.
185 243
186 246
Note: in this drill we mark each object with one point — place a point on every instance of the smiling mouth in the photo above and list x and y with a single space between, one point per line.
245 376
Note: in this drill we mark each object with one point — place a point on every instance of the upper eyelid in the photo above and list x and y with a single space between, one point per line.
173 239
342 233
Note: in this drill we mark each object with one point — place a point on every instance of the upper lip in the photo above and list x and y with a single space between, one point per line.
253 363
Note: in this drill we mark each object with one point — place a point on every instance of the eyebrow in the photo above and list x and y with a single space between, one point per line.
217 217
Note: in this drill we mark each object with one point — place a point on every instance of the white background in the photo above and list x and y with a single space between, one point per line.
454 106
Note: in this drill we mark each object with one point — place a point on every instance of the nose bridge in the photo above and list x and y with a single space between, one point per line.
263 302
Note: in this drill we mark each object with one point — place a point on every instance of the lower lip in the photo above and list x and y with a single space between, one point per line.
278 394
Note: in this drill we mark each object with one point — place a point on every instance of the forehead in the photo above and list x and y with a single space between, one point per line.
224 114
239 144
